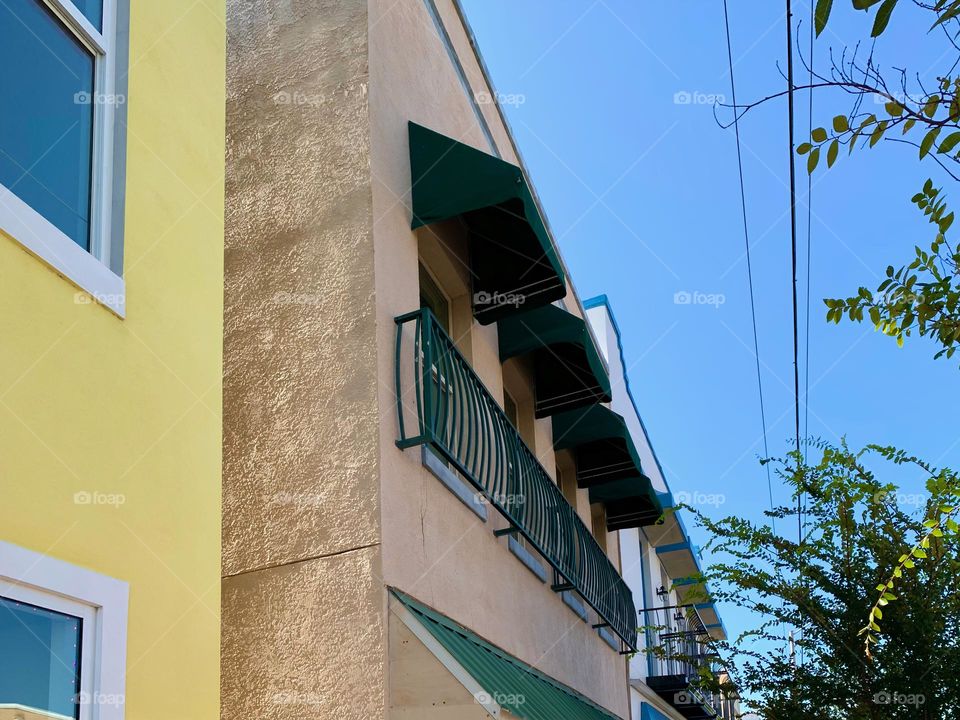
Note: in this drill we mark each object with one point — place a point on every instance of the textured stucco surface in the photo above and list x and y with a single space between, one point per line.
300 402
318 194
305 640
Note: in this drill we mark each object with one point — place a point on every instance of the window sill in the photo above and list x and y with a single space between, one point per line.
609 638
571 601
454 483
39 237
527 558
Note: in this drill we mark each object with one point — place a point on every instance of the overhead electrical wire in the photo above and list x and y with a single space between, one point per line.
746 240
793 252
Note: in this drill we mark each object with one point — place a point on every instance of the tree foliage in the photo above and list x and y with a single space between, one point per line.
854 532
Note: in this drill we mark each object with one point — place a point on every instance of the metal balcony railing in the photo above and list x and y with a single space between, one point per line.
455 414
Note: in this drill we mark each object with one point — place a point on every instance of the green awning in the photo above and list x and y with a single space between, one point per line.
568 369
513 262
608 464
516 686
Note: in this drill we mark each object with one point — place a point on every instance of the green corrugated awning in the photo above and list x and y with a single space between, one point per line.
519 688
513 262
568 370
608 464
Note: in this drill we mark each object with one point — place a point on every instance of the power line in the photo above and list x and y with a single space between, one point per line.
746 240
793 251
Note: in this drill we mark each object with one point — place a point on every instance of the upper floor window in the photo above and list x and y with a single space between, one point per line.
60 155
432 297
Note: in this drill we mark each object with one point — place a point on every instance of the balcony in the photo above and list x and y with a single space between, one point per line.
454 413
680 650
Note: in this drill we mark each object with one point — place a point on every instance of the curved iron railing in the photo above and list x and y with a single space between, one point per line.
456 414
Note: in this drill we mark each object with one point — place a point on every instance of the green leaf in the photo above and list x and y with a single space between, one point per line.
883 17
951 12
803 148
950 142
832 153
928 141
894 109
908 125
930 109
822 14
840 124
812 159
819 135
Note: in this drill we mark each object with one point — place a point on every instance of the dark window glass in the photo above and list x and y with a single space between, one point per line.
39 658
46 127
93 10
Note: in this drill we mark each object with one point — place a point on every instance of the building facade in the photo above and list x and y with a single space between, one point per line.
111 224
680 623
427 482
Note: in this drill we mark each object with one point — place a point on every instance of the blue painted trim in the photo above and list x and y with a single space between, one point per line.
526 557
453 482
609 638
570 600
676 547
649 712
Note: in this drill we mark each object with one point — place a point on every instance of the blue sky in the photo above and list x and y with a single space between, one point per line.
641 191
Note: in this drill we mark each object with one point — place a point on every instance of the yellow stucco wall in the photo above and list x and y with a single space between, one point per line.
90 403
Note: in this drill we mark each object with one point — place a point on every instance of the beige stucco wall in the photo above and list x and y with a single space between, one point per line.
435 548
321 510
302 598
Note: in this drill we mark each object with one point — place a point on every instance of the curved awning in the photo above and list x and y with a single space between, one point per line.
608 464
513 262
568 370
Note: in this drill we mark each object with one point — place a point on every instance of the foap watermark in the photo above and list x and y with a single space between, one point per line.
86 98
95 497
700 498
895 497
298 499
109 299
514 99
296 97
895 698
695 297
697 97
500 698
498 299
101 699
502 499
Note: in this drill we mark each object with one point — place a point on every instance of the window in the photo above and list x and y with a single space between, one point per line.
432 297
598 518
62 639
61 184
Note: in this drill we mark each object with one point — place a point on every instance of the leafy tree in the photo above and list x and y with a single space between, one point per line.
854 531
920 295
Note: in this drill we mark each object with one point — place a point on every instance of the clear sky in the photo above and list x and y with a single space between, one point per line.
641 190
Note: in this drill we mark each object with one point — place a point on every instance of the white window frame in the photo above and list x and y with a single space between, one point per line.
90 271
100 601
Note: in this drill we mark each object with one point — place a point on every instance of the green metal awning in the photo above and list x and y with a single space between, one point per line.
608 464
568 369
513 262
519 688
